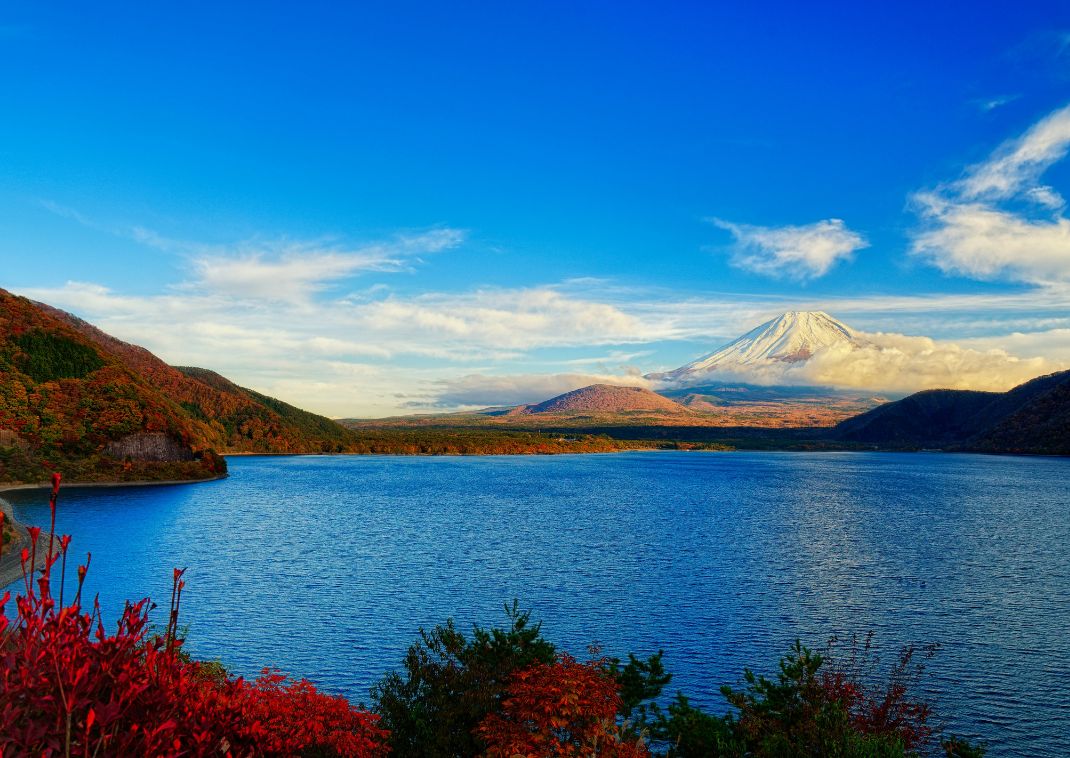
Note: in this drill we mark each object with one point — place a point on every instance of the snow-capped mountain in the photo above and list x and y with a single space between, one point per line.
791 338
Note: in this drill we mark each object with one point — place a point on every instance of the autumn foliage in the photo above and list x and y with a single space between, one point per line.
68 390
564 708
890 707
68 687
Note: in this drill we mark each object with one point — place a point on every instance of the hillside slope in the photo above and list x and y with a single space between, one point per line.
68 405
1041 424
263 420
1031 418
229 418
76 399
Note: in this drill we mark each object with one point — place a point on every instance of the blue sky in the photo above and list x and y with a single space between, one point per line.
381 208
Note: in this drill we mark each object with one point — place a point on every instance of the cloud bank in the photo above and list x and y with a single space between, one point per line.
294 271
887 362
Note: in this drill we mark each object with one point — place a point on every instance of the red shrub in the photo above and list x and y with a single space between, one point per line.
875 703
69 688
564 708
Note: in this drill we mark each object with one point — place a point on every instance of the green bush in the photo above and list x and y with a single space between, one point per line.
452 683
840 705
813 707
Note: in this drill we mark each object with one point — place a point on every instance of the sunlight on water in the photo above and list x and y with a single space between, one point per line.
327 566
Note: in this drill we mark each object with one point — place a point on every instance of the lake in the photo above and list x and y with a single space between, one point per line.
326 566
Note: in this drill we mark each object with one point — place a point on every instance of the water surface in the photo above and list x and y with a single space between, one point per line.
327 566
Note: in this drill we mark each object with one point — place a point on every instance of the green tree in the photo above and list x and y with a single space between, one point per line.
450 684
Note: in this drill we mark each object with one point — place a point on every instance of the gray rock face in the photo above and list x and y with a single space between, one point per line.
149 446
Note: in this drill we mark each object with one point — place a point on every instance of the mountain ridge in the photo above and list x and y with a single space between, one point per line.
238 420
77 399
1033 418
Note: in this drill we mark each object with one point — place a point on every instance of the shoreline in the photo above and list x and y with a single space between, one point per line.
10 487
10 560
477 455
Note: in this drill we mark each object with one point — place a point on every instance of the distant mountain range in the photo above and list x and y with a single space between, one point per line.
71 394
695 401
1031 418
76 399
714 390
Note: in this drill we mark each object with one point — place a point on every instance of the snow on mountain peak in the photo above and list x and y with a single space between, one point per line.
811 348
792 337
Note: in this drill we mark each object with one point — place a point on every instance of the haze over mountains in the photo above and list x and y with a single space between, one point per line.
800 369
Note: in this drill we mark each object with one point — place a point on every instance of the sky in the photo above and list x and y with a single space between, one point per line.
370 209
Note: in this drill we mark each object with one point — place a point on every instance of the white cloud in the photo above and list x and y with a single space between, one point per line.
999 221
516 318
991 103
896 362
292 276
618 357
1018 164
350 356
279 270
984 242
792 252
293 271
1053 344
300 351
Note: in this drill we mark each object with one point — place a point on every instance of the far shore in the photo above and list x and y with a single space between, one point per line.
637 449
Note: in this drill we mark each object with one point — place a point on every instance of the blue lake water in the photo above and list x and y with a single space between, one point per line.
326 566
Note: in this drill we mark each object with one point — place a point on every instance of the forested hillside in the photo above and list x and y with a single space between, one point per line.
66 404
76 399
1032 418
229 418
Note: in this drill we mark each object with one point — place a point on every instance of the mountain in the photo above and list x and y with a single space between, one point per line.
238 420
743 382
605 399
792 337
76 399
712 405
1031 418
67 405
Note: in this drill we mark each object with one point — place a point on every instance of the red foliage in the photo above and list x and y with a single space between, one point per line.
565 708
69 688
889 709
